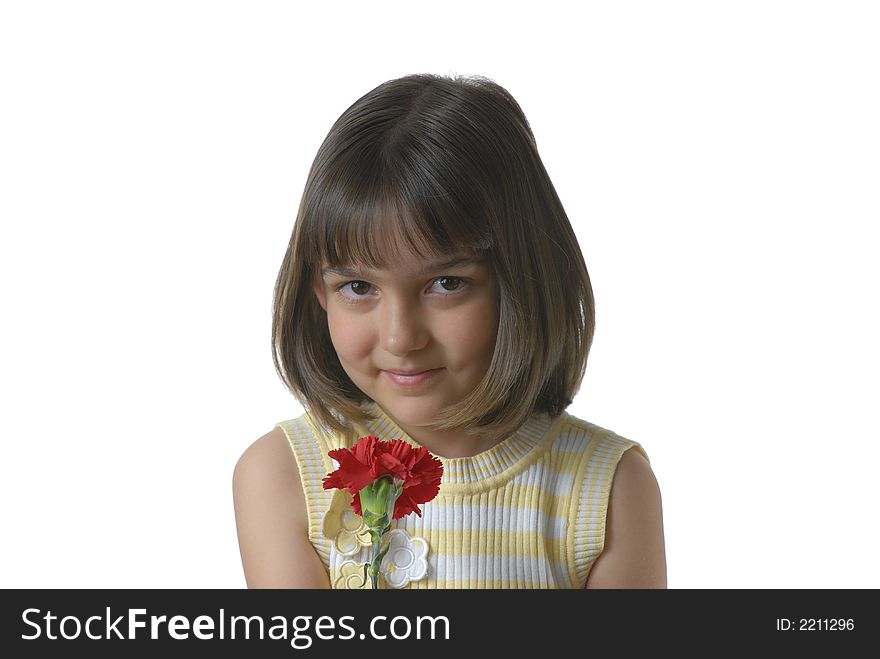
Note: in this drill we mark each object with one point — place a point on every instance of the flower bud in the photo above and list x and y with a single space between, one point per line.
377 502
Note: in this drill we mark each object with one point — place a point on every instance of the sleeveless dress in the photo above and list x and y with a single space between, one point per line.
528 513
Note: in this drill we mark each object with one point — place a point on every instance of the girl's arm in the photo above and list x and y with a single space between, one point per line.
634 555
271 519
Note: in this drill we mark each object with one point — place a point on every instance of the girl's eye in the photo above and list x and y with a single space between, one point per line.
357 287
457 283
360 289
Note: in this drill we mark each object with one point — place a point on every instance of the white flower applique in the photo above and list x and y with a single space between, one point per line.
344 527
406 559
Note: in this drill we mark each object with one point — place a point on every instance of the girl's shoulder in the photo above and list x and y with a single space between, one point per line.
272 517
631 544
278 457
634 552
267 456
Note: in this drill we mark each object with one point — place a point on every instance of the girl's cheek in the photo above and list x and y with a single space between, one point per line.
350 337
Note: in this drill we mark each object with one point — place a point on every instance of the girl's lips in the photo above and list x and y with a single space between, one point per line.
412 380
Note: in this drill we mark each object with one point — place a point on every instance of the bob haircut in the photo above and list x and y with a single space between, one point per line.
440 165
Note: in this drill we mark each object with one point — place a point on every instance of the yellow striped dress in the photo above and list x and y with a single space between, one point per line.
527 513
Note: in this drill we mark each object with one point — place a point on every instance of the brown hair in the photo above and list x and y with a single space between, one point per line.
446 164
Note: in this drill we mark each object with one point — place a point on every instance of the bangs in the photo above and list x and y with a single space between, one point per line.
371 226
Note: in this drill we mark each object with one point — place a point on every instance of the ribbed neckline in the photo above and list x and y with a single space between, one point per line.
493 463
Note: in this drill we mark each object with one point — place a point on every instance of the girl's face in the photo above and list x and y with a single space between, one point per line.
414 317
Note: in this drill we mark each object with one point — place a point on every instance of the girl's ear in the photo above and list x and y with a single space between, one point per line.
318 287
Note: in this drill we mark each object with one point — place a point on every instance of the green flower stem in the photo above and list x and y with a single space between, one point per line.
374 566
377 503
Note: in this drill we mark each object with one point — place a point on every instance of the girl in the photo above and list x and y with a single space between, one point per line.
434 291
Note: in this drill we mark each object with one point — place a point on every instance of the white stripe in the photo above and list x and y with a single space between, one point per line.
522 571
558 483
483 519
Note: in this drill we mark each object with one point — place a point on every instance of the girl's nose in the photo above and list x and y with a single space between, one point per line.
402 329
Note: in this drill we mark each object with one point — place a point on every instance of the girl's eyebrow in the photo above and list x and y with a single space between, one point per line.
343 271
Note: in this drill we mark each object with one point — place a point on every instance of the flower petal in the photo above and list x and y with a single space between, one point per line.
351 576
364 450
352 473
422 492
347 543
332 522
419 547
397 457
404 506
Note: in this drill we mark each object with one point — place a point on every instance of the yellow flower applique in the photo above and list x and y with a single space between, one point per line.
351 577
344 527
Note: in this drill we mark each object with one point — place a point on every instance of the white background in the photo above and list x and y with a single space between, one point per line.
720 162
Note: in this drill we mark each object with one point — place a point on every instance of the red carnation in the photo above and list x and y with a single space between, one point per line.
371 458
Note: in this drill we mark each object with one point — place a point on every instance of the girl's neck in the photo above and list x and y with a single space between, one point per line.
448 444
452 444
